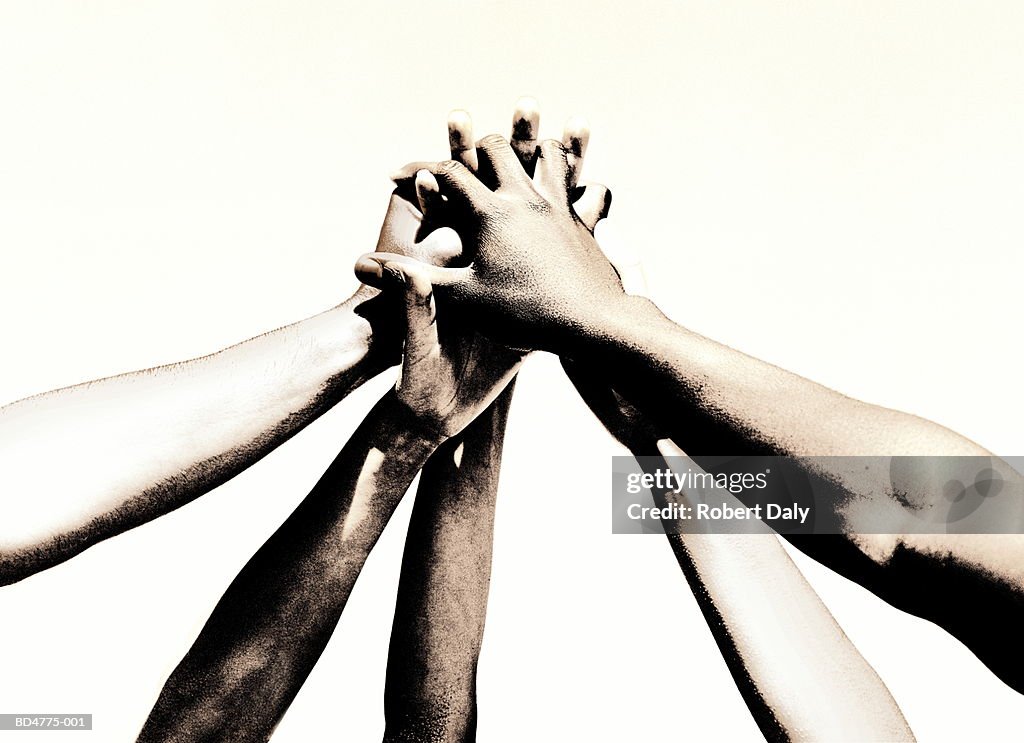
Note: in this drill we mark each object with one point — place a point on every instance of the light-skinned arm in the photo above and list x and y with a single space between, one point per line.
272 624
799 674
539 280
136 446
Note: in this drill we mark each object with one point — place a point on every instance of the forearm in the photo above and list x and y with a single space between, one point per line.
430 695
714 400
81 464
275 619
744 405
799 674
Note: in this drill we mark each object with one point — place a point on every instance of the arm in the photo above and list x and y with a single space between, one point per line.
442 597
269 628
799 674
539 280
136 446
275 619
430 690
430 693
720 400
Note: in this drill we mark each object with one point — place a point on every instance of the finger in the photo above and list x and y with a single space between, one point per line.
592 204
552 176
401 223
460 138
390 270
575 137
525 125
460 186
420 315
428 192
408 171
442 247
499 165
405 179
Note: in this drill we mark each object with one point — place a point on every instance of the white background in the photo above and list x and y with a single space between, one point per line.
833 187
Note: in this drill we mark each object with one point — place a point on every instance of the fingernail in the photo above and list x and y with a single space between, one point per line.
425 181
368 266
459 117
527 105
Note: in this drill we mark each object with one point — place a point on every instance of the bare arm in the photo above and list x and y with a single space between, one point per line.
719 400
799 674
442 598
430 696
270 627
539 280
133 447
274 621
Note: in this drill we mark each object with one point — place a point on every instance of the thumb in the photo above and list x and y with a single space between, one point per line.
592 203
420 315
389 270
428 192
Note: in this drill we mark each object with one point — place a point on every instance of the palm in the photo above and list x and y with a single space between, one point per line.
449 383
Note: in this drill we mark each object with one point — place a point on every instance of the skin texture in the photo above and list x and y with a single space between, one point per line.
272 624
274 621
539 280
799 674
524 236
139 445
430 694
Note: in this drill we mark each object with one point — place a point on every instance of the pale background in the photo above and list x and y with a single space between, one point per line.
833 187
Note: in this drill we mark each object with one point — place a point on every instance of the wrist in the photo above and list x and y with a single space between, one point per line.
412 437
356 352
613 323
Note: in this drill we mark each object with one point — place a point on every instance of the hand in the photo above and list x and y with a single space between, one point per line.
451 375
403 232
450 372
537 275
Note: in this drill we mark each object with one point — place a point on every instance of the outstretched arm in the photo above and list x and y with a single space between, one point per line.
274 621
270 627
539 280
430 693
136 446
442 598
798 673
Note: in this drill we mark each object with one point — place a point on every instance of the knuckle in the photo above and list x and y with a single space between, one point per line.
553 146
448 166
539 205
492 140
